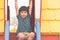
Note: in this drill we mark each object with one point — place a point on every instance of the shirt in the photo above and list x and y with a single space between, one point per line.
24 24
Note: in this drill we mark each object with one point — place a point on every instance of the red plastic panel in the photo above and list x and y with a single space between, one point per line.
13 36
51 37
1 37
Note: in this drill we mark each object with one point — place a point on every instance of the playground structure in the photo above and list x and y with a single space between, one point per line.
50 19
1 19
2 16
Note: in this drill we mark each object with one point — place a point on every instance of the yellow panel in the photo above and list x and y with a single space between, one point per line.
1 13
44 4
55 26
59 3
1 25
45 27
53 4
57 14
1 3
47 15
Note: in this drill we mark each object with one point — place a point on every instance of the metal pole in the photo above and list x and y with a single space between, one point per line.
37 30
7 27
37 16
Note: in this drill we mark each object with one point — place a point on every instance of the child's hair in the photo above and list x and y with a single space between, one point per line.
24 8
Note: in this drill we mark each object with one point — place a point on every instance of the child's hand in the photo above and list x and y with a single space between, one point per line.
15 0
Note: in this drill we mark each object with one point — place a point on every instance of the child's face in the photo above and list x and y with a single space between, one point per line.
23 14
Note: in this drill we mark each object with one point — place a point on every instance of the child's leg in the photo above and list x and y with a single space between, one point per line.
21 36
31 36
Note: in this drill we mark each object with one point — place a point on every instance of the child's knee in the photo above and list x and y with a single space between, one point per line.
21 35
32 34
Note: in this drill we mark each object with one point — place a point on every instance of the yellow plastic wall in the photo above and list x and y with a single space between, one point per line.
1 15
50 16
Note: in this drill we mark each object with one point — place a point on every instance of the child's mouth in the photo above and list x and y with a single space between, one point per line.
23 16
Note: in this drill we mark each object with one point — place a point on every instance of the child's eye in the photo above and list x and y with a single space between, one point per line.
21 12
24 12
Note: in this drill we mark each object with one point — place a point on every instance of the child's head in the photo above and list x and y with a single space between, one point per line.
23 11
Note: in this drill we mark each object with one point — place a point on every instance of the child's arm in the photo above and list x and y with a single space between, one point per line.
30 6
16 7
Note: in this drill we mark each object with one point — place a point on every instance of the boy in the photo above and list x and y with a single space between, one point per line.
24 27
